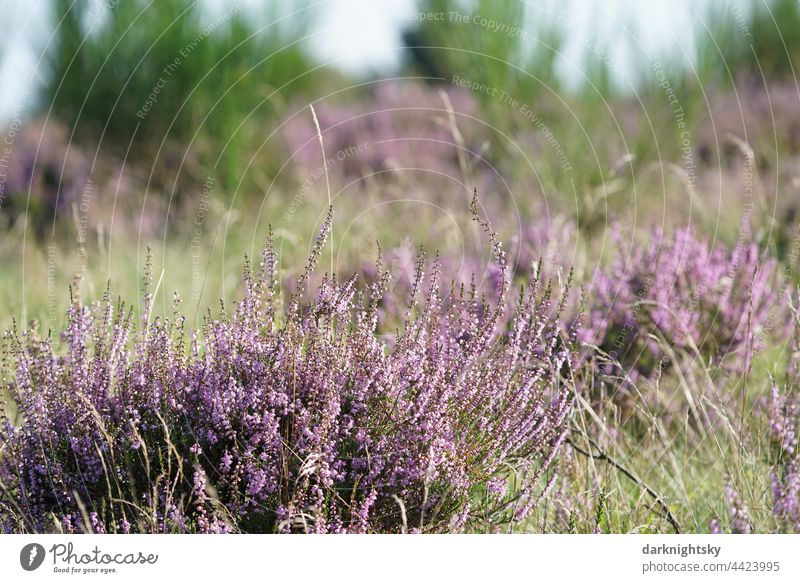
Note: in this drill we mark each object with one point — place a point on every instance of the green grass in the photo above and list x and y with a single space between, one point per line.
142 73
758 40
625 158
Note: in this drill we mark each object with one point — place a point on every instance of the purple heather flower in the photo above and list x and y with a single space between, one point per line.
784 421
306 418
497 486
740 519
682 293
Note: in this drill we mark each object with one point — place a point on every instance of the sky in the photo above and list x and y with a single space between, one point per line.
363 36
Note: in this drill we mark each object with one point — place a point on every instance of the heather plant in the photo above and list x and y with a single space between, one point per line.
763 115
548 236
52 183
401 263
784 423
44 176
679 296
545 244
783 417
738 521
288 415
399 126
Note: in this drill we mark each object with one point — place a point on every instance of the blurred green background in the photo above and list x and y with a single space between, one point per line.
184 126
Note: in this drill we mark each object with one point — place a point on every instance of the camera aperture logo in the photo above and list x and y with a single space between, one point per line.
31 556
66 559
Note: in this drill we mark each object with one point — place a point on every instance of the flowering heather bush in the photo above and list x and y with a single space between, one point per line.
550 236
740 522
401 264
784 421
45 176
762 114
546 244
288 419
692 297
54 182
391 133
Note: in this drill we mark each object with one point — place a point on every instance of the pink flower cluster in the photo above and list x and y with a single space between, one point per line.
287 415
